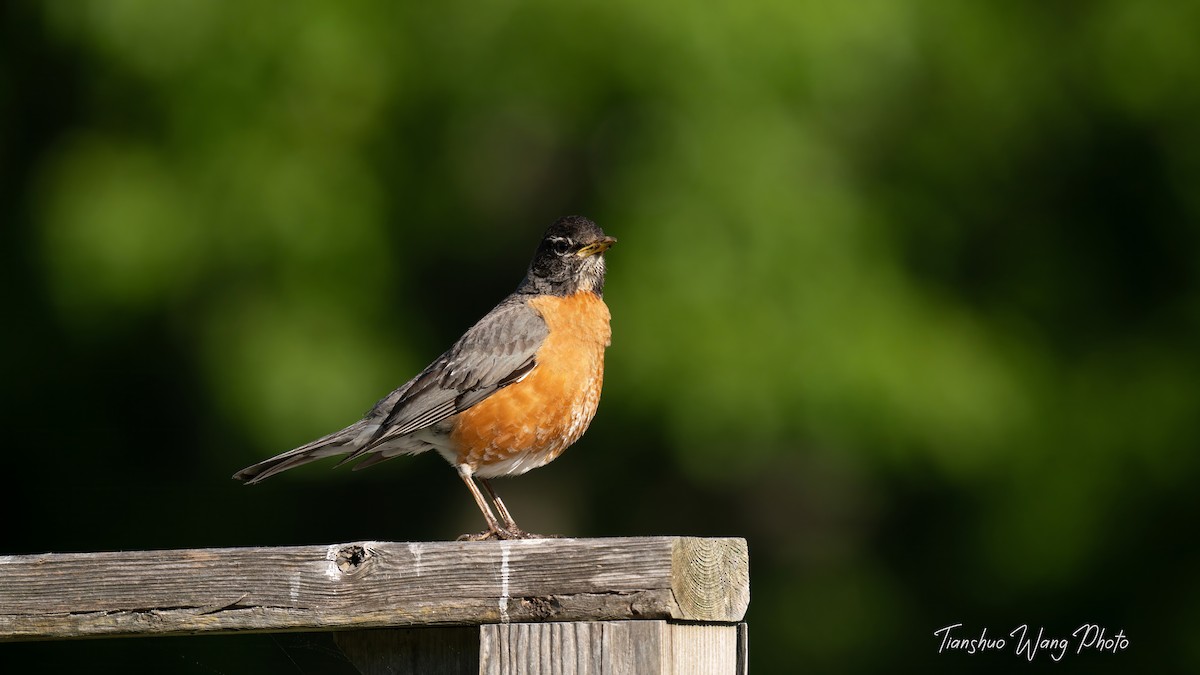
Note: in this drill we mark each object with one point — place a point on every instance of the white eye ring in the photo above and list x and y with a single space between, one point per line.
561 246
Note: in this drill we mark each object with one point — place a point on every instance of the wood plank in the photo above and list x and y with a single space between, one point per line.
609 648
577 648
712 580
371 584
703 648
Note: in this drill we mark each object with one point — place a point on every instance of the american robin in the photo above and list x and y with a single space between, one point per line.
517 389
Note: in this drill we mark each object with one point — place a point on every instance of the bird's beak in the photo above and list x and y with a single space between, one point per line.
596 247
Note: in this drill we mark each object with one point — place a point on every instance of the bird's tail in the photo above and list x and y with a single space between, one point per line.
341 442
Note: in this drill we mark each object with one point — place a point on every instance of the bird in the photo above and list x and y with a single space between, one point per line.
517 389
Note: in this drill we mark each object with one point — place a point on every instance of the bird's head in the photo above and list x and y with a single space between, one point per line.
570 259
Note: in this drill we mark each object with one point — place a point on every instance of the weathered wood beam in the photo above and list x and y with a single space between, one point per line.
371 584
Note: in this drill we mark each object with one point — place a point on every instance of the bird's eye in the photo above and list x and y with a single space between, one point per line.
561 246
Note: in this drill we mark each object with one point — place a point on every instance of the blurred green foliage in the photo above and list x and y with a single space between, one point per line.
906 293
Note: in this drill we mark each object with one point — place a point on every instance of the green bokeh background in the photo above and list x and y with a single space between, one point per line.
906 294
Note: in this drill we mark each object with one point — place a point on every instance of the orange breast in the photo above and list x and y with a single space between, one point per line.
529 423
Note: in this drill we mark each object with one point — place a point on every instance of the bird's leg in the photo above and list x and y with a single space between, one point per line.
494 530
509 523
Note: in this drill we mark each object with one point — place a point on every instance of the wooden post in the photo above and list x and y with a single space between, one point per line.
625 605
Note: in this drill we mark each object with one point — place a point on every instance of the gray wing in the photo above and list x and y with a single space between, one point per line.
494 353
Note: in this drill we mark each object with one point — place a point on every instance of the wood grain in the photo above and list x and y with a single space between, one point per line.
610 647
371 584
712 579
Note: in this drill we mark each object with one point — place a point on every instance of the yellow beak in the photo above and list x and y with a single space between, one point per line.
596 247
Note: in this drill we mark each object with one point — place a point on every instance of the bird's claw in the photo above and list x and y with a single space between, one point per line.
502 534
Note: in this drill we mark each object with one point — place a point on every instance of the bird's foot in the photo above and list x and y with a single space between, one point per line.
517 533
502 533
486 535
